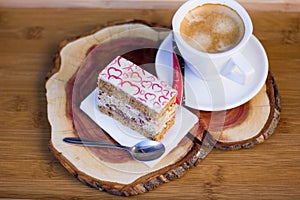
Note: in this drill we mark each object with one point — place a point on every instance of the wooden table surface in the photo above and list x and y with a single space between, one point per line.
29 38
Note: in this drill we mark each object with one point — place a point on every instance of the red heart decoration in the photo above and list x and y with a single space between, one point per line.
102 74
116 79
166 92
163 83
150 96
130 87
156 87
163 100
113 72
172 94
135 77
125 75
146 84
151 78
119 60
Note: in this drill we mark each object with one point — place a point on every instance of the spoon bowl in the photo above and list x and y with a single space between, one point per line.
145 150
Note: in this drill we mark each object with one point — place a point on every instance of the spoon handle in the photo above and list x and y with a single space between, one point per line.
91 143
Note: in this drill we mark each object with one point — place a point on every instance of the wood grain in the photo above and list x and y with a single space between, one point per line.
75 67
270 5
29 38
79 63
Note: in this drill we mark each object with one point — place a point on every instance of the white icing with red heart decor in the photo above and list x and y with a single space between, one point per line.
138 83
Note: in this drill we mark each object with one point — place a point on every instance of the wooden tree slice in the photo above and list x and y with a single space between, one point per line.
74 76
249 124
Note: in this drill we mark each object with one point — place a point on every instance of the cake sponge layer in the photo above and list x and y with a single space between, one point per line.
135 125
136 98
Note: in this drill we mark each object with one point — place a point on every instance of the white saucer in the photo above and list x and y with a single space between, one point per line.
221 94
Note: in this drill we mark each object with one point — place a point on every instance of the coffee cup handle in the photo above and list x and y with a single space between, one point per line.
238 69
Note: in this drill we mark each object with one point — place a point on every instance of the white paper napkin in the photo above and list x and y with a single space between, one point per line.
184 121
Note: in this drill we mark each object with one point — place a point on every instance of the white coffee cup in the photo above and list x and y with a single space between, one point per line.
231 64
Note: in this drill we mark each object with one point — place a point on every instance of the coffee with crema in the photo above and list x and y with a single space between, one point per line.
212 28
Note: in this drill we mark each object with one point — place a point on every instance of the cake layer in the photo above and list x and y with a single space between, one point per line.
110 90
136 98
144 89
137 126
130 115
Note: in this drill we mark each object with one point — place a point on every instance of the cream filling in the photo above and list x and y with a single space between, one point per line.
130 113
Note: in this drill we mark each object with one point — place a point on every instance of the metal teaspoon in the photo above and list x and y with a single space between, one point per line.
145 150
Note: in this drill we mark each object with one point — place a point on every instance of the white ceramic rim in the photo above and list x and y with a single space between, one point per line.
191 4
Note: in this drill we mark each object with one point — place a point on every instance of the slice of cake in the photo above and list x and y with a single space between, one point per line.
136 98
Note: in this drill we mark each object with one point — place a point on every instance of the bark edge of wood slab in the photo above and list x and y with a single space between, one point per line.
270 122
73 158
148 181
